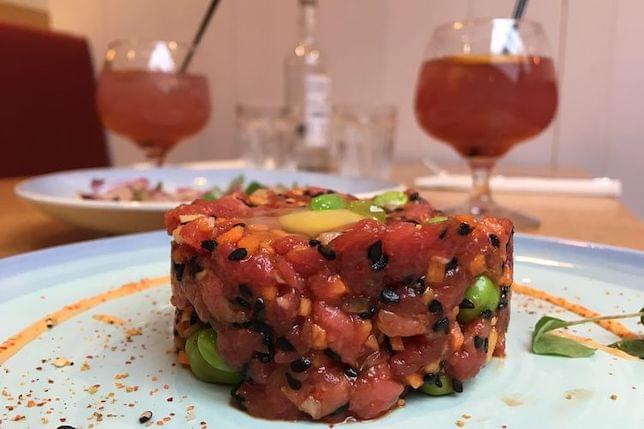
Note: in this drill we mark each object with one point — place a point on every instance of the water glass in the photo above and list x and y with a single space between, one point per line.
266 136
363 140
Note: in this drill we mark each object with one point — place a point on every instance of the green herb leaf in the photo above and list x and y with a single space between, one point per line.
632 347
236 184
252 187
212 194
546 343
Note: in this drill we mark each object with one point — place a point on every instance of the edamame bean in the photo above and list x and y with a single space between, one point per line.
391 199
440 386
328 202
368 210
482 295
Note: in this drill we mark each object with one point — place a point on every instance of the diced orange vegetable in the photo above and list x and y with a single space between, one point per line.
436 271
455 337
396 344
477 266
318 335
305 307
415 380
182 358
371 342
250 243
336 287
233 235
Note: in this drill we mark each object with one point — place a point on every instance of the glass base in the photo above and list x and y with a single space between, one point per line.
520 220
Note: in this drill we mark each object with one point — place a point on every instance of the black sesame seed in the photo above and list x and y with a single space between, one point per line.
238 254
486 344
399 209
242 302
502 305
178 270
66 427
389 296
293 382
457 385
442 364
443 234
326 252
284 344
438 382
194 318
332 354
441 324
414 196
263 357
300 364
487 314
429 377
494 240
435 306
466 304
350 372
451 266
369 313
194 266
374 253
381 264
242 224
209 245
313 242
478 341
259 308
245 290
340 410
145 416
420 286
464 228
387 345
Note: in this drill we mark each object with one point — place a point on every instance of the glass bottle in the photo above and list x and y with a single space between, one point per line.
307 93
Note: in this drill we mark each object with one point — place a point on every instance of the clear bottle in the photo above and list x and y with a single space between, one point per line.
307 90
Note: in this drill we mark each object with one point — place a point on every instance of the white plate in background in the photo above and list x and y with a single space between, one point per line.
58 194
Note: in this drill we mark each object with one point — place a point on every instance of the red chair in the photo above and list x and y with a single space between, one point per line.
48 118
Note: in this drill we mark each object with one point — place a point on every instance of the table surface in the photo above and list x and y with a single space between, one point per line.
602 220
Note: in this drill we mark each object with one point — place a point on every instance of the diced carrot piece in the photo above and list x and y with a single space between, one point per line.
435 271
414 380
250 243
233 235
455 337
305 307
182 358
318 335
396 344
477 266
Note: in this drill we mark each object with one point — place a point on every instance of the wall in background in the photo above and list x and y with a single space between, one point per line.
374 50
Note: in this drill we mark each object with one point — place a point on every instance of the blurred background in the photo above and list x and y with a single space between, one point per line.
373 53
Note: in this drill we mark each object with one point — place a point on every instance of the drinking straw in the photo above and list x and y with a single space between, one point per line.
200 32
519 9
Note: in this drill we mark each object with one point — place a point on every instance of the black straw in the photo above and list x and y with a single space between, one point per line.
200 32
519 9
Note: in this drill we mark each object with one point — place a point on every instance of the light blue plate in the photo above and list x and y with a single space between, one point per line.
58 194
521 391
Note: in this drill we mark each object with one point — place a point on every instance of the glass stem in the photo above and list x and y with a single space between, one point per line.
155 153
480 196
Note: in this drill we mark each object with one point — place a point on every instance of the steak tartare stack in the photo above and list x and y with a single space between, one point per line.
317 305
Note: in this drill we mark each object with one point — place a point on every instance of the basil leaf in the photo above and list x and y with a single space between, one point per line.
632 347
546 343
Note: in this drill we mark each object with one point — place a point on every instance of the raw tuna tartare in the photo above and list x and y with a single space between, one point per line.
317 305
